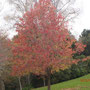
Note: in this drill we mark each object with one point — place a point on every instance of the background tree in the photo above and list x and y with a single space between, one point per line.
85 38
4 63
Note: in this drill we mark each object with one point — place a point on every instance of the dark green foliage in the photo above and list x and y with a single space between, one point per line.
88 66
75 71
76 56
11 84
62 75
37 81
85 38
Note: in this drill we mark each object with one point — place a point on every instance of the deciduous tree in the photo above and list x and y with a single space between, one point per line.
4 63
43 44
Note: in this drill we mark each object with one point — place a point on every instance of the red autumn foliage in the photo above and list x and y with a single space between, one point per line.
43 40
43 44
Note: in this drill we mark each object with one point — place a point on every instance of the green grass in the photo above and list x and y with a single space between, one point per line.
74 84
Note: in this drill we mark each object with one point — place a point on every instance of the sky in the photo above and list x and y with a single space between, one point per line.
77 26
82 21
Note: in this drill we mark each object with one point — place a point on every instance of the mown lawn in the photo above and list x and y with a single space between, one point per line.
82 83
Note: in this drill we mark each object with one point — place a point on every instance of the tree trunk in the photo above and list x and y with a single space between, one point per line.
20 83
48 77
49 88
28 78
44 81
2 86
29 81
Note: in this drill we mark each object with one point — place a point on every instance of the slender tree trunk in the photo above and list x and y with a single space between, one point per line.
28 78
49 88
29 81
48 77
44 81
2 85
20 83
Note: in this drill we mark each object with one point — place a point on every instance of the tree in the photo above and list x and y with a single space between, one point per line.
4 64
43 44
85 38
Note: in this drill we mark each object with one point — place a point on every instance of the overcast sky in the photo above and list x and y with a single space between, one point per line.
81 22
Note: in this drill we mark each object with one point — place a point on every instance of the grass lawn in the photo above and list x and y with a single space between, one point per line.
82 83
